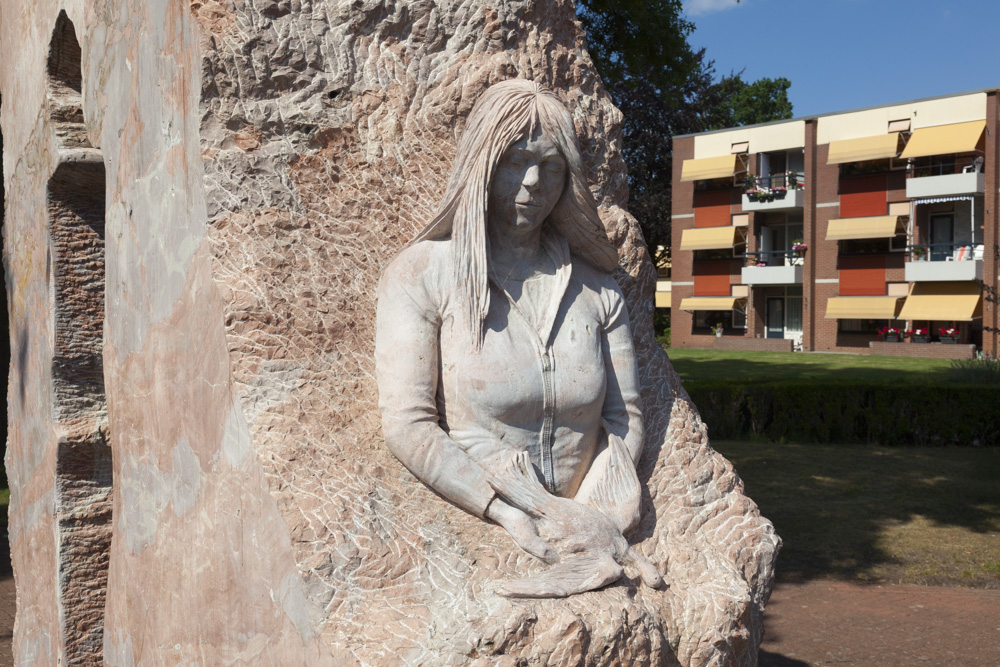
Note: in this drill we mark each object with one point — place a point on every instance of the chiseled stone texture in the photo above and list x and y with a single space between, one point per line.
264 160
328 132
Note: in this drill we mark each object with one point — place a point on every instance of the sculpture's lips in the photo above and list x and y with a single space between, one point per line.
528 204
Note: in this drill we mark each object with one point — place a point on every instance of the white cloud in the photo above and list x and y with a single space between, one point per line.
695 7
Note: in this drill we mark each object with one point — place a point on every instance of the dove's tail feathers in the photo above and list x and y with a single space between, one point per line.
573 575
517 483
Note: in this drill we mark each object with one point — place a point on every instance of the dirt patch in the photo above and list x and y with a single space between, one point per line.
839 623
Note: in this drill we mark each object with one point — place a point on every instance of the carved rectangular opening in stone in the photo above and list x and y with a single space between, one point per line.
65 85
83 459
76 205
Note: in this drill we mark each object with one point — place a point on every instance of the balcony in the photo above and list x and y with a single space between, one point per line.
938 262
780 267
945 179
779 192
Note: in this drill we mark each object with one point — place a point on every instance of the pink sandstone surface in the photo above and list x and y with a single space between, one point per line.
263 160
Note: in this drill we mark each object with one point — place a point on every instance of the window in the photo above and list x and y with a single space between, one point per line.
873 246
718 253
704 320
860 326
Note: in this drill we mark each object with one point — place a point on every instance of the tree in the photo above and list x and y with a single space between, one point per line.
665 88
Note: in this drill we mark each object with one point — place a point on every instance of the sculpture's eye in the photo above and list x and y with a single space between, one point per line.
515 159
554 165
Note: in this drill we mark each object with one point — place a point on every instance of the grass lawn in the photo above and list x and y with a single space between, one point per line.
694 365
877 514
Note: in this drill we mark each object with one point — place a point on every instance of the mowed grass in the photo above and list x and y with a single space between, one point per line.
926 516
701 365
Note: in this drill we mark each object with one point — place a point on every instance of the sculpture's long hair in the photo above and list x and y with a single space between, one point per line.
506 113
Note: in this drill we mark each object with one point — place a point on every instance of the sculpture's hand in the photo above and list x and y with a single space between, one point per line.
522 529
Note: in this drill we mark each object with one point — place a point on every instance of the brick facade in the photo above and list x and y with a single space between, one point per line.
923 350
830 269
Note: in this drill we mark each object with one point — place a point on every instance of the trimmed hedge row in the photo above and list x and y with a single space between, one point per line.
846 412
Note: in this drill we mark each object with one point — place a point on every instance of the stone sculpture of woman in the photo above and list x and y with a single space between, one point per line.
506 374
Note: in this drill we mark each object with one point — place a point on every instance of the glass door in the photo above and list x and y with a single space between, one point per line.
775 317
942 236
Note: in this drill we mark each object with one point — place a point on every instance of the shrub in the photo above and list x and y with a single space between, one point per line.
975 371
846 412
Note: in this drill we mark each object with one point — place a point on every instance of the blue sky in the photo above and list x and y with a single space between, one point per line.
859 52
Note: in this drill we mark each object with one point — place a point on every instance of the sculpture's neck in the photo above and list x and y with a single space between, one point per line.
518 253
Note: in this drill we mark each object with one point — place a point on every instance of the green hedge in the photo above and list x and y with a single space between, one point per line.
850 412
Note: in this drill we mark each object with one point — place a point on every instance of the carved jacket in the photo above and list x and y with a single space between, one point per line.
544 384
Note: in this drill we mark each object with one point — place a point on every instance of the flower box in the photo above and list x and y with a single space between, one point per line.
889 334
948 335
920 339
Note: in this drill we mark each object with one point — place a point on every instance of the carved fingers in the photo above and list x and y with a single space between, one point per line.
522 530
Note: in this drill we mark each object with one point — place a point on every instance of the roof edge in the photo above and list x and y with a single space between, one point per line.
798 119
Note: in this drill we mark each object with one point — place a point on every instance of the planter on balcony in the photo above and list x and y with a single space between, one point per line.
949 341
920 339
773 202
891 339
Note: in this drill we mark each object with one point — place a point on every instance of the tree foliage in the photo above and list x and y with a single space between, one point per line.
664 88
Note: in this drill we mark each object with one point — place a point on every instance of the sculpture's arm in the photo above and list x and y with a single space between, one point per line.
622 411
406 369
606 486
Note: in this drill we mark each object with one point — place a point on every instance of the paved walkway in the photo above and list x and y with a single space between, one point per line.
836 623
829 623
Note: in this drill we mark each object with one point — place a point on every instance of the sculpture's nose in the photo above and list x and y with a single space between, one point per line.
530 179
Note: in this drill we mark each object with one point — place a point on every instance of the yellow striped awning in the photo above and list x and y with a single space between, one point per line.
708 167
944 301
709 303
862 308
875 227
708 238
863 148
944 139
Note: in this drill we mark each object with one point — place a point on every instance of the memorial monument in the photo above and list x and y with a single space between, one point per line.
201 199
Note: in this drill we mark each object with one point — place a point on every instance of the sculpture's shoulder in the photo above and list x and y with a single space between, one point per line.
602 285
422 263
421 272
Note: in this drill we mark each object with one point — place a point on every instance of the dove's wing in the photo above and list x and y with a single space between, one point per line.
616 493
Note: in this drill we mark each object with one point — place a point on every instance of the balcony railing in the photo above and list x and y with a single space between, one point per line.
773 267
944 262
945 167
775 185
774 258
945 178
945 252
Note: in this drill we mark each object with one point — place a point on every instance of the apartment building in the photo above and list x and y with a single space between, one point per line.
819 233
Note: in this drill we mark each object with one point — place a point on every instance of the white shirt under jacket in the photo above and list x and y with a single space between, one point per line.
450 413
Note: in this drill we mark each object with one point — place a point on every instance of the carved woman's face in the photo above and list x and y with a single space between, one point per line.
527 184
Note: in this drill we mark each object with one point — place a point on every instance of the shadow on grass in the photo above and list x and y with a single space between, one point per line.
912 515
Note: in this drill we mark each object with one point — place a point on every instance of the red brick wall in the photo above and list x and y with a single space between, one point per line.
862 196
712 208
712 277
926 350
862 275
991 224
681 204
